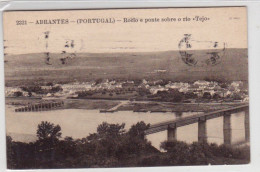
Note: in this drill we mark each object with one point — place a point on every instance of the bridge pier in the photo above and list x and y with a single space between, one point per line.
227 128
171 133
247 129
202 130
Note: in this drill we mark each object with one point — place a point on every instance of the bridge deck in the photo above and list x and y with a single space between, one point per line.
193 119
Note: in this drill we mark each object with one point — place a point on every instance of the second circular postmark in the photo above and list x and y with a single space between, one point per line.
195 52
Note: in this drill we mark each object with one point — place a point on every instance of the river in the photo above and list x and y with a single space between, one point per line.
79 123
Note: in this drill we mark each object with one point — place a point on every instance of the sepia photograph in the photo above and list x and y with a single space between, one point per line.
106 88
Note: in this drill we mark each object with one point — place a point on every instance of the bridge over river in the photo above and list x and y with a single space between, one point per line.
40 106
201 119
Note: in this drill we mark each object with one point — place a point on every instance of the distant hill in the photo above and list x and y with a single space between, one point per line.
29 68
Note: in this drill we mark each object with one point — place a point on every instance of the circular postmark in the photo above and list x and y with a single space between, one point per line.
200 53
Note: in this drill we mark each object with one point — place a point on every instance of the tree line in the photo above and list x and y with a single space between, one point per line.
113 146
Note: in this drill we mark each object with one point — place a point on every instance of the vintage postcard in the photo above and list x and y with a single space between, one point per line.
126 87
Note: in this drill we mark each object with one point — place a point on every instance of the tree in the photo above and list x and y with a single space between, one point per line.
206 95
171 95
48 141
236 96
56 89
137 82
190 95
105 146
35 89
18 94
176 95
138 129
106 129
10 152
224 85
47 130
66 148
216 96
49 84
98 81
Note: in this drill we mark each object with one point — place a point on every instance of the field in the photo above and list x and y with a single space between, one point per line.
30 68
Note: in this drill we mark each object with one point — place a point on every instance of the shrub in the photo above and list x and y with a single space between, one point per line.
206 95
18 94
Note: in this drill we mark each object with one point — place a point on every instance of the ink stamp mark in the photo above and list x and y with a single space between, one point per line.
200 53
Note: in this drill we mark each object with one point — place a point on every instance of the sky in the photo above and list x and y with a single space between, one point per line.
224 25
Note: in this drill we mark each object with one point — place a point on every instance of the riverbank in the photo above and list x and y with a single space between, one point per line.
124 105
68 103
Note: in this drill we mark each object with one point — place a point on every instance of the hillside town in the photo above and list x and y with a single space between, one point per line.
159 90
